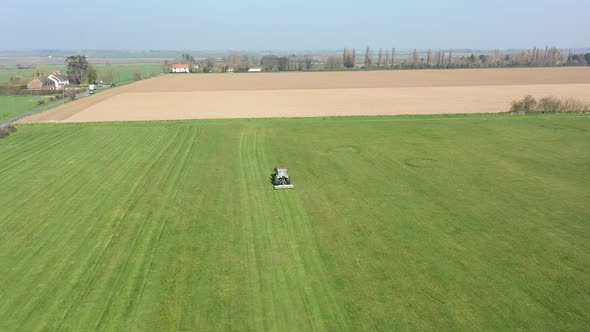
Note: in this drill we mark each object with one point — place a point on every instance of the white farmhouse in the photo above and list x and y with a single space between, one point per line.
255 70
60 81
180 68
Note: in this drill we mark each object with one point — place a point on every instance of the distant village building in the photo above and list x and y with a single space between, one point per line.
255 70
60 81
180 68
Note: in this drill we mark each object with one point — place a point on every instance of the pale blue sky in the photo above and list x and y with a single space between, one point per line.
292 25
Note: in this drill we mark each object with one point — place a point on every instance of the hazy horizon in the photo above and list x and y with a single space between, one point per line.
284 26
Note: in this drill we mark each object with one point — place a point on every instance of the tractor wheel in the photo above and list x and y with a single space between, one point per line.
275 181
288 181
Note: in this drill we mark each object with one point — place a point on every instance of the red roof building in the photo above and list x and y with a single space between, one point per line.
180 68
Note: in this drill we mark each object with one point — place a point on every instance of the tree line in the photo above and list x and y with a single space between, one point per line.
381 59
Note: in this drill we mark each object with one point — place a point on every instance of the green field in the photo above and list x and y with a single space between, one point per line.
13 105
396 223
122 72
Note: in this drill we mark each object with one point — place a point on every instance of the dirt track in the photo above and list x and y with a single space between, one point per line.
316 94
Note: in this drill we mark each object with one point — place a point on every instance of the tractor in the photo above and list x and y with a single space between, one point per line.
281 179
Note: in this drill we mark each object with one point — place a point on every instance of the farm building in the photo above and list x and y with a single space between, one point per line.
60 81
180 68
40 83
255 70
55 81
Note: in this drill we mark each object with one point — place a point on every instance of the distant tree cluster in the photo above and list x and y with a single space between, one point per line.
380 59
274 63
77 68
416 59
349 58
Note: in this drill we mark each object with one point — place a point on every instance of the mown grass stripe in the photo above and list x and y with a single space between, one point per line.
490 235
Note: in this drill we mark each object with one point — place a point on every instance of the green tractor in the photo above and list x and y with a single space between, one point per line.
281 179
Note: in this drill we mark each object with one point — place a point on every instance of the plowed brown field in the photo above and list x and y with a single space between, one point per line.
186 96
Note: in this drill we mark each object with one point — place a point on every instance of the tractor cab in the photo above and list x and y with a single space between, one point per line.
281 179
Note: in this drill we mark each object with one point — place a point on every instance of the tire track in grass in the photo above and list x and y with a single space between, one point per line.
73 171
307 277
49 205
131 310
293 214
130 155
59 235
135 194
285 284
274 301
256 316
150 237
16 241
44 241
34 149
40 150
102 200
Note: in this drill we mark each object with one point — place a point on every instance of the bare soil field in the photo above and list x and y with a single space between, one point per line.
192 96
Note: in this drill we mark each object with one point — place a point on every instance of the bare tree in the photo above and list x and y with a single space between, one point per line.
333 62
393 57
368 57
165 66
235 59
450 56
347 59
380 58
308 59
283 63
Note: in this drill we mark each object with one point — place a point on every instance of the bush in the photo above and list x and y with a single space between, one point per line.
528 105
5 131
71 93
549 105
524 106
137 75
40 102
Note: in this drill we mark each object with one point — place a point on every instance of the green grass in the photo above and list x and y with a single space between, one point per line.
395 223
6 74
123 72
13 105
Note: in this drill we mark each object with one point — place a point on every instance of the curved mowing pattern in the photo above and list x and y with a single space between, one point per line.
174 225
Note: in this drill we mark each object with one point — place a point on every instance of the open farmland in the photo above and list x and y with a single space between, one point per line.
14 105
185 96
472 222
121 72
